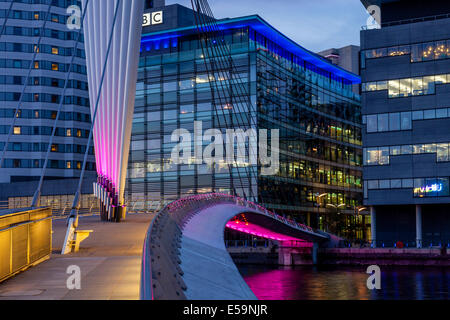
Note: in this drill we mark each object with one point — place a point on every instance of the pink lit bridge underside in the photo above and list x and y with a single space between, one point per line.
261 232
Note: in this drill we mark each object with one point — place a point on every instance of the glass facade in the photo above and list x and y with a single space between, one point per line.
408 87
419 52
316 112
38 110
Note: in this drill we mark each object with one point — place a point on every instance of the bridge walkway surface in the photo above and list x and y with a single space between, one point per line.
109 260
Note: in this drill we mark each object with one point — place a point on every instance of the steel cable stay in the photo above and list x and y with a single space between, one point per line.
37 194
212 74
30 68
230 166
240 86
236 80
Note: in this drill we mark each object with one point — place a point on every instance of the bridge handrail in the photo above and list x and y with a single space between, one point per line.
214 198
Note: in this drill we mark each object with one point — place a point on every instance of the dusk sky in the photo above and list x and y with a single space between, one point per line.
314 24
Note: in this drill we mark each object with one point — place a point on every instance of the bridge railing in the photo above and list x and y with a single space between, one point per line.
438 243
163 241
25 239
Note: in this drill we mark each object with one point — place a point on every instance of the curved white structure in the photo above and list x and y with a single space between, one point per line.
113 123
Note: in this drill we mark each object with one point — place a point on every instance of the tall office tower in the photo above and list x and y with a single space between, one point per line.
290 88
33 127
405 71
347 58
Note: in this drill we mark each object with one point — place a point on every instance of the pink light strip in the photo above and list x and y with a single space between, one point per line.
264 233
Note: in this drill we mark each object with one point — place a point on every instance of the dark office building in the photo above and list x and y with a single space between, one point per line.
291 89
405 70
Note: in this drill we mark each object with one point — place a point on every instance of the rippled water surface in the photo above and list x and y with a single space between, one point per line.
346 283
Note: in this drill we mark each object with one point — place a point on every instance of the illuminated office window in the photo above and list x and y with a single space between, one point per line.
55 67
17 131
55 50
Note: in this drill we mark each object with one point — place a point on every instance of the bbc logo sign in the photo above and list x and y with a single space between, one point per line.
152 18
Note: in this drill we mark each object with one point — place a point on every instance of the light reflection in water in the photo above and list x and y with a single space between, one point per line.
346 283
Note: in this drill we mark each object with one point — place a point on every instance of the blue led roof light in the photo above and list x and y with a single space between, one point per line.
261 26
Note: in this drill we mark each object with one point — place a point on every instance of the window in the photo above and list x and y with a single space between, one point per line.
383 122
137 145
394 121
394 88
407 183
55 50
372 123
406 122
405 87
384 156
384 184
442 152
428 85
372 156
406 150
395 151
55 67
441 113
429 114
17 131
396 184
372 184
417 86
417 115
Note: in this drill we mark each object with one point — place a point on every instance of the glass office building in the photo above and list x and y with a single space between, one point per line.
37 112
405 70
290 89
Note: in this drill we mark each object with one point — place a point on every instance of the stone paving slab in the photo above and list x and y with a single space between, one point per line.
109 260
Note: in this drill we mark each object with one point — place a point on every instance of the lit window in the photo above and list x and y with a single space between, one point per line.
54 148
55 50
79 165
17 130
36 64
69 132
55 67
79 133
36 16
68 165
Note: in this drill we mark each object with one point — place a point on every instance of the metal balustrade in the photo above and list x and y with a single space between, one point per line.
25 239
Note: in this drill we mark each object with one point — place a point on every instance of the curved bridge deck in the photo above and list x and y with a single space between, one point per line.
185 256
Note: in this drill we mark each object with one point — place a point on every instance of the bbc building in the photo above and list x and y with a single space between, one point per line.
405 70
305 96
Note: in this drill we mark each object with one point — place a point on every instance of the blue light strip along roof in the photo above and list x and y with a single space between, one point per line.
261 26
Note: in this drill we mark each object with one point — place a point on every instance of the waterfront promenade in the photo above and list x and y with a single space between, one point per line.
109 260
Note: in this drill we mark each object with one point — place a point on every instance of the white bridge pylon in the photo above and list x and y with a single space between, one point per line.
114 119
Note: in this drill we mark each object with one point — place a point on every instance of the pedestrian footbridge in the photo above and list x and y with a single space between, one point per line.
184 252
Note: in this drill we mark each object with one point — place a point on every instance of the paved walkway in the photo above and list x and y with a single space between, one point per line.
110 263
